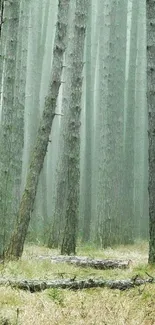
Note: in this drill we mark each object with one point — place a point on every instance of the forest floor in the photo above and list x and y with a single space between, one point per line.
82 307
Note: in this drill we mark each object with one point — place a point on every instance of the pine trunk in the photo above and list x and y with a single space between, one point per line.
15 248
8 119
150 6
73 147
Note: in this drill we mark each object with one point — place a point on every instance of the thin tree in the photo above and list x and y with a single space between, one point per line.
150 12
87 198
128 189
102 227
141 136
15 247
73 147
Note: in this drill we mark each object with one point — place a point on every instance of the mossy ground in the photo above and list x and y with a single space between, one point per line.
89 307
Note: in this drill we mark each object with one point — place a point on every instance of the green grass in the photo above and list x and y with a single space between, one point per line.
89 306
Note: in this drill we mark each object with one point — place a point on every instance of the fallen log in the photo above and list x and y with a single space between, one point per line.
83 261
39 285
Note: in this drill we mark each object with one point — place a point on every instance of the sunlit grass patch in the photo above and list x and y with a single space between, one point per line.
56 295
10 303
9 297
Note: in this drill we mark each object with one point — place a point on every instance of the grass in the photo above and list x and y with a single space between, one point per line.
89 306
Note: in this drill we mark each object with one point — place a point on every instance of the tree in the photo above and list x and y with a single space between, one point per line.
87 198
39 22
73 142
19 104
102 224
109 120
61 176
8 136
16 244
150 14
115 121
128 188
141 136
2 42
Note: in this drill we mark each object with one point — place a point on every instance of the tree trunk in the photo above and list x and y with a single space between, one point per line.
141 137
87 197
83 261
16 244
71 284
8 120
19 105
128 188
1 44
102 160
38 37
61 177
73 141
150 10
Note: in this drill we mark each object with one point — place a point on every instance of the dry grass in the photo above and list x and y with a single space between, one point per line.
91 306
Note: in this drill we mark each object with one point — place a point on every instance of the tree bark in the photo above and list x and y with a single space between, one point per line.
128 177
15 247
150 11
141 212
19 105
71 284
87 175
104 201
9 37
73 141
1 45
61 177
89 262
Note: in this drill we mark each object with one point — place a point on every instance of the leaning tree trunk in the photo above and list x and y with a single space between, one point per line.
150 10
73 141
61 185
16 244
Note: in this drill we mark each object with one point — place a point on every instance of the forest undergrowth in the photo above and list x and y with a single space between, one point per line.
89 306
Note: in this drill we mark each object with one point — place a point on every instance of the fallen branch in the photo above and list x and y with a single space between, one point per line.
39 285
89 262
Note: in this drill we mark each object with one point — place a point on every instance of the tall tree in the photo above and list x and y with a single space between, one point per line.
16 244
103 199
73 141
128 220
61 177
2 42
42 39
19 103
141 136
11 14
150 14
115 119
39 23
87 199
